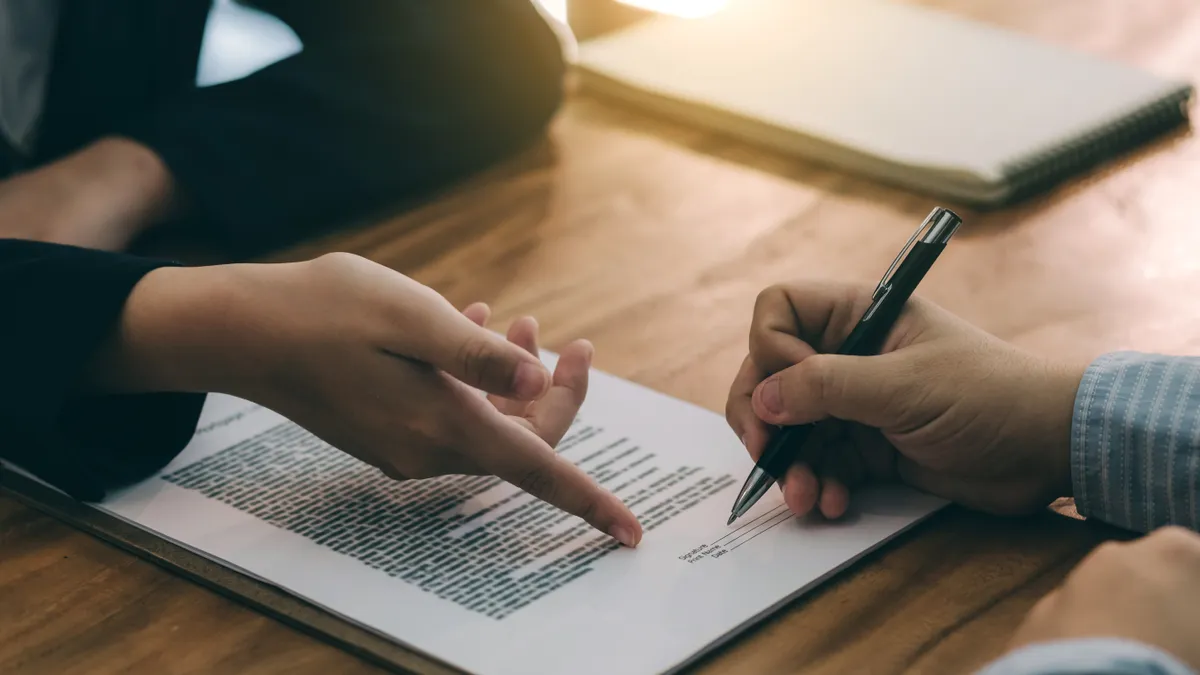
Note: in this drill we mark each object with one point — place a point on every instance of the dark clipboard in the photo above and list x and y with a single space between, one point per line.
260 596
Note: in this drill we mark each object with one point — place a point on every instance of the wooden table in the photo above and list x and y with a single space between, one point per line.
652 240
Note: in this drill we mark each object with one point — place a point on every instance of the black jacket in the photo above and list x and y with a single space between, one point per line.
57 306
389 98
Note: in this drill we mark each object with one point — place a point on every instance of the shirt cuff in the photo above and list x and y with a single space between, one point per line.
1088 656
1135 441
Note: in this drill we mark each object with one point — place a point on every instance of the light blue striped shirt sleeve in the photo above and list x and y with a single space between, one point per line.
1135 441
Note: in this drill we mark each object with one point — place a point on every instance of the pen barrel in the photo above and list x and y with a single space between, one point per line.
784 451
869 334
910 272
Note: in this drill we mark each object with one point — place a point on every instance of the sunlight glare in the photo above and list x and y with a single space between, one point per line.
555 8
691 9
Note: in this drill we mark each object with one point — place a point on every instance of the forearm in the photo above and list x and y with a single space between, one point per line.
174 335
1135 441
198 329
102 197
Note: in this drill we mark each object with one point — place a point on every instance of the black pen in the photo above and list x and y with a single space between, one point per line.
893 291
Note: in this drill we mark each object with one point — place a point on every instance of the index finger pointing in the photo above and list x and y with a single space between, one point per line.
519 456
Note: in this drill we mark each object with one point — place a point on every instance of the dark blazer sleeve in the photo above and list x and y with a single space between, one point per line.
388 100
58 305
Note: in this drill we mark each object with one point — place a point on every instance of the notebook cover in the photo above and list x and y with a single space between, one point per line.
901 93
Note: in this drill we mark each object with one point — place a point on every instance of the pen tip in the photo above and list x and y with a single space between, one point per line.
732 517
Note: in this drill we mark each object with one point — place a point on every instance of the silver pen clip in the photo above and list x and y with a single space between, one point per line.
937 228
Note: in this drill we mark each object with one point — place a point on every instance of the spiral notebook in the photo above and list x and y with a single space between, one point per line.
900 93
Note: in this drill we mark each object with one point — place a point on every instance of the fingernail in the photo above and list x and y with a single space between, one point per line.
623 535
770 396
530 381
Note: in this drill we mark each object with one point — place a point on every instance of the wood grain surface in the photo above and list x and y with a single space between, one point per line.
652 240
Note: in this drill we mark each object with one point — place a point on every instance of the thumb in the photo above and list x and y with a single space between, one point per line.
861 389
478 357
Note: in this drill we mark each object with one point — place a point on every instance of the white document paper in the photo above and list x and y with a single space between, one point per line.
479 575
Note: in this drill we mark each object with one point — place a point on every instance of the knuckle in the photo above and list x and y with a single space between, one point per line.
765 304
338 262
438 429
1107 549
339 270
538 482
1176 540
589 511
436 424
481 361
819 376
766 295
1106 555
1174 534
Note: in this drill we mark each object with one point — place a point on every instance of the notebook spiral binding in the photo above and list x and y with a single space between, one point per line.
1043 170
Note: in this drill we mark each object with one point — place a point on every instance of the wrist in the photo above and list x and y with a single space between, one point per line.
1058 390
178 332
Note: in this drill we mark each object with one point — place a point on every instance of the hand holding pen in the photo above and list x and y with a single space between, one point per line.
944 406
888 300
